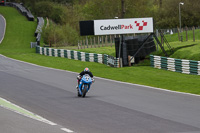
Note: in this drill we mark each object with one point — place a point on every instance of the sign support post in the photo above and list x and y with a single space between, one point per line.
120 44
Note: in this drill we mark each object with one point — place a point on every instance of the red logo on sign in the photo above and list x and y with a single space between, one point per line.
141 27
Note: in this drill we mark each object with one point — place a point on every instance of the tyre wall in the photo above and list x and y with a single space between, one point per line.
77 55
176 65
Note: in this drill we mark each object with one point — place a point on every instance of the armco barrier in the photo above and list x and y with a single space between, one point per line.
77 55
38 31
22 9
176 65
40 24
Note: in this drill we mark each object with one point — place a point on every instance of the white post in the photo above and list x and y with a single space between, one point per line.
181 3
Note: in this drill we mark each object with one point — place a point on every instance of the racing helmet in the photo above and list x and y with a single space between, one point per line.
86 69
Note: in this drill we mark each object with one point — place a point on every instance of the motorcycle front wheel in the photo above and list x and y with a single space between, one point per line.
84 91
78 94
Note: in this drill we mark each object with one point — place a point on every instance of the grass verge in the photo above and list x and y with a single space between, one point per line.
20 33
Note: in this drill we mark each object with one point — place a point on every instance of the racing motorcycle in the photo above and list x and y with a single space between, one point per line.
84 85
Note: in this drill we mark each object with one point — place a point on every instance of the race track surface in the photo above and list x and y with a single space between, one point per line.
2 28
109 107
11 122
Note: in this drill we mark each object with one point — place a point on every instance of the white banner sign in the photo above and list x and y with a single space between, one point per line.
123 26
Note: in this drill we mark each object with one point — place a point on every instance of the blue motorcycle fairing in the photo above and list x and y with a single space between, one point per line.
86 79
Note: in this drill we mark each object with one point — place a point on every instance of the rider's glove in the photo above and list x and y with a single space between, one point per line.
78 77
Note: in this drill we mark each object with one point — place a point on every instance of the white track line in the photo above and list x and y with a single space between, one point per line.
67 130
154 88
4 29
37 117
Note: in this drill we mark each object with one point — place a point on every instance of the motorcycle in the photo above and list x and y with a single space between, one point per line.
85 84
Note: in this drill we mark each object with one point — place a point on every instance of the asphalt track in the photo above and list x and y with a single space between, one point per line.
110 107
11 122
2 27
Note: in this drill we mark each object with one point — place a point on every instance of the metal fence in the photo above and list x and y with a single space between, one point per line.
96 41
185 34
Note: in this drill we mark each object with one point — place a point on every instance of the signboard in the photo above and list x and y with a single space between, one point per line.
86 27
123 26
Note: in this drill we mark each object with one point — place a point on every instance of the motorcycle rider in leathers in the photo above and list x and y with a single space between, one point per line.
85 71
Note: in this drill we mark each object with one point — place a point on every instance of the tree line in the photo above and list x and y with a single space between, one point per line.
66 14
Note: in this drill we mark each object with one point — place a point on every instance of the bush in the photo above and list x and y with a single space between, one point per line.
71 35
43 9
51 10
57 35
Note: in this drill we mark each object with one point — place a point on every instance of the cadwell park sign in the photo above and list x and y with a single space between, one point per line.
116 26
123 26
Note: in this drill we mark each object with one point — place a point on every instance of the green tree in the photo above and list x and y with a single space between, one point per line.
102 9
139 8
168 15
44 9
191 13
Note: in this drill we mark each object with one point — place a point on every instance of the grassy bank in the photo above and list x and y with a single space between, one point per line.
20 33
174 37
183 50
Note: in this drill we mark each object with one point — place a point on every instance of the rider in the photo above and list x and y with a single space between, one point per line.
85 71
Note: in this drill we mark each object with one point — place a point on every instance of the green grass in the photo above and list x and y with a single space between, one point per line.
106 49
174 37
190 51
102 50
20 33
183 50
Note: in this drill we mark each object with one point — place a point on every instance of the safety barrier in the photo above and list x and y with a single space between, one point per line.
38 32
77 55
176 65
40 24
22 9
